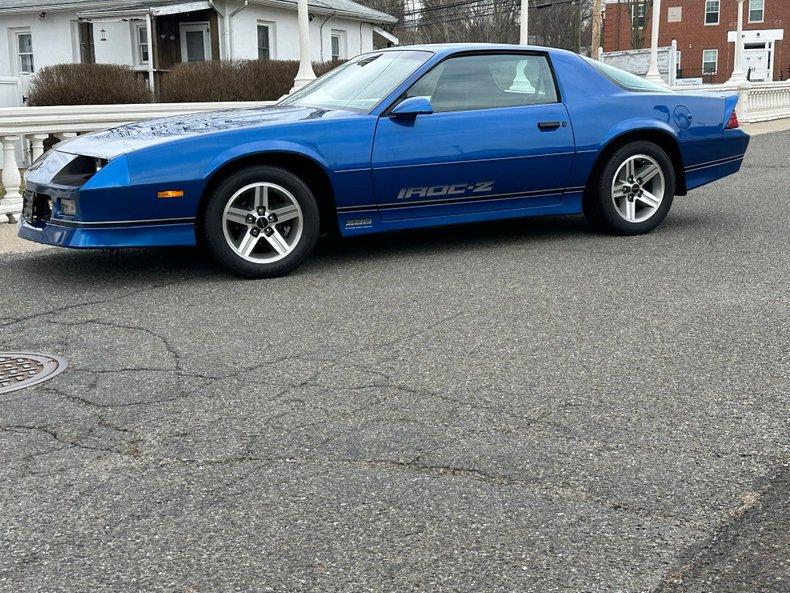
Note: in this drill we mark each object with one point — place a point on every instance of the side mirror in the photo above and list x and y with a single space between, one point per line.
412 107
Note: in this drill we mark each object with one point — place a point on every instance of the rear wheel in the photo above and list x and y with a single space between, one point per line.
634 191
261 222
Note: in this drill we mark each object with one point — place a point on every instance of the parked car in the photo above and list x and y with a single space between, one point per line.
394 139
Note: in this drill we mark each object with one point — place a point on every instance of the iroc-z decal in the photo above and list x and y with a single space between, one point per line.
437 191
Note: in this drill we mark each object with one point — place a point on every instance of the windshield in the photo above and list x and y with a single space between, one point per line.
632 82
360 84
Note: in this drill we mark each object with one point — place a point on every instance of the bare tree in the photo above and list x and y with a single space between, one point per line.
637 11
396 8
554 23
450 21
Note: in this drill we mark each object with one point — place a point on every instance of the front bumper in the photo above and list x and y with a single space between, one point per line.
100 215
174 233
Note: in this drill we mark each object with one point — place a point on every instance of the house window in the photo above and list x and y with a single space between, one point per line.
339 45
24 46
87 50
711 12
756 11
141 43
638 15
710 58
265 41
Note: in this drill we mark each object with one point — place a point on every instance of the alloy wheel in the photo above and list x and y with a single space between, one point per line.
638 188
262 222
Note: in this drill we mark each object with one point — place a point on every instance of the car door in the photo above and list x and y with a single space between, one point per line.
498 138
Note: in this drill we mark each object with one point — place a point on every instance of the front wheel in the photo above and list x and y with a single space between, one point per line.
634 191
261 222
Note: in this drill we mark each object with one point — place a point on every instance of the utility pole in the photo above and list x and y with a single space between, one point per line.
524 35
596 29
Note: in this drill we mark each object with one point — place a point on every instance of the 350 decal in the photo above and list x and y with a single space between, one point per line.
437 191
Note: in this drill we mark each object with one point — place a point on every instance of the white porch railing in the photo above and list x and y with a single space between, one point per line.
31 126
757 101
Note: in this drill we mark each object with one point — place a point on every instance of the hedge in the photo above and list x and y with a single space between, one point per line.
238 80
216 80
87 84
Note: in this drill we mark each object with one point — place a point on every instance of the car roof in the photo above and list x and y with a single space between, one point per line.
451 48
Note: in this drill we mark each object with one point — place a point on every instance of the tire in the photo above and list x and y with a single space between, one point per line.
260 222
612 208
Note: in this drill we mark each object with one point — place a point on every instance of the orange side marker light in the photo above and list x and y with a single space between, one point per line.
170 193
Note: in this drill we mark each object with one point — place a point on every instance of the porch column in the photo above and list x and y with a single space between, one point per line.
652 73
738 75
305 74
524 33
11 204
149 23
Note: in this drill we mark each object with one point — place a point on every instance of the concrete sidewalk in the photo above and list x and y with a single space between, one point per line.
767 127
10 243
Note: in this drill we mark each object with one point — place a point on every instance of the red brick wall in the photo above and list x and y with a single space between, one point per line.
693 35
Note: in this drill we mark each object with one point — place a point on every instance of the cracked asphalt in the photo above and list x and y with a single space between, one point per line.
523 406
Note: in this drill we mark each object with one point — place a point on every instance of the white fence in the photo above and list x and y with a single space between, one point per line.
29 127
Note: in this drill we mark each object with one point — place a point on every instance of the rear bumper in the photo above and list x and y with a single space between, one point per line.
708 172
173 233
730 150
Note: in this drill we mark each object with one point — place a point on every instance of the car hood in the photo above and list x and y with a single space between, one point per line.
130 137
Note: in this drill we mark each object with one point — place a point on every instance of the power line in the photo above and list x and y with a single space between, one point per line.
481 4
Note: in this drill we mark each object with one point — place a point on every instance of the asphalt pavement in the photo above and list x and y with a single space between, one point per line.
520 406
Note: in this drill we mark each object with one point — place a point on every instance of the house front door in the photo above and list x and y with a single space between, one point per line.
195 42
756 58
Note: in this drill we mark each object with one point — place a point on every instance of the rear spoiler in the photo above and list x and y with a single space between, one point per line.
730 101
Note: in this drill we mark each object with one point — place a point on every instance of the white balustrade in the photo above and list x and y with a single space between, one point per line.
11 204
35 124
757 101
37 145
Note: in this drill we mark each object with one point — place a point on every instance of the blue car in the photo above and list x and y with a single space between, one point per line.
394 139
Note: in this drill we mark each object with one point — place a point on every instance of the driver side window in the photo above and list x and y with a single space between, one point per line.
487 81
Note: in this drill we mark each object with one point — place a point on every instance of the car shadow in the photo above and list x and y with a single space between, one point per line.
150 266
449 239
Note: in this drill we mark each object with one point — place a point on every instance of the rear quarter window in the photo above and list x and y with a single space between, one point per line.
626 80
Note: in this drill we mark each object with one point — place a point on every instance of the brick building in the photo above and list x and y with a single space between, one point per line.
705 32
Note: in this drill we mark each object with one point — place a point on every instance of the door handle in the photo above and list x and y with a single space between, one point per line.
548 125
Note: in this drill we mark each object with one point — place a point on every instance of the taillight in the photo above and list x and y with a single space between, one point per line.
732 122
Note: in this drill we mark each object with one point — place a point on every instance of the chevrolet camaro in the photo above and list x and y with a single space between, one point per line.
394 139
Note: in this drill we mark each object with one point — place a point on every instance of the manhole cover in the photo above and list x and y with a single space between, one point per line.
23 369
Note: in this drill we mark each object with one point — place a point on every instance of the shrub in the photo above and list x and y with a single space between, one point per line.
87 84
237 80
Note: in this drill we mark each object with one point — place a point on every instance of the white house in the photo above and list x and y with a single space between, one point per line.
152 36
